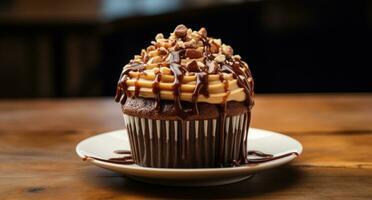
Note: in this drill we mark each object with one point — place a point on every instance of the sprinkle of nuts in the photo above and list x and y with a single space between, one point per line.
157 56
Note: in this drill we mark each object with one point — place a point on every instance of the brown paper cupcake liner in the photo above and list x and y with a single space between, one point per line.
187 144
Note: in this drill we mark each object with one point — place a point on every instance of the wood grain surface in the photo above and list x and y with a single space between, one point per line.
38 160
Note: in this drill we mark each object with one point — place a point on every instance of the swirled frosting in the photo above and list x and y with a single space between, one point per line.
187 66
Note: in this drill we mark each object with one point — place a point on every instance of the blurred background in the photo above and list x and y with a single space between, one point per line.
77 48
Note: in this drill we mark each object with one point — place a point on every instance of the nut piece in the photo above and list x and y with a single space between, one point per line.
143 53
137 57
150 48
153 53
212 67
220 58
203 32
180 31
227 50
162 51
190 44
193 66
215 47
193 53
159 36
180 45
195 35
155 59
217 41
236 57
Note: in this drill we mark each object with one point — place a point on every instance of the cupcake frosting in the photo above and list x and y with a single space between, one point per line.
187 66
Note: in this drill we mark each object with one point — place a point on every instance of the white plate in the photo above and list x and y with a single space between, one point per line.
103 146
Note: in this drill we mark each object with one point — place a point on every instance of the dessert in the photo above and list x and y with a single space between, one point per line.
186 102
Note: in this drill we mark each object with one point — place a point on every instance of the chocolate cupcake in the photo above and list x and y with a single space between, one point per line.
186 102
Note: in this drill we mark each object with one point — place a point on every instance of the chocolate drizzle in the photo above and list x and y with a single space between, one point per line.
125 160
200 88
122 87
263 157
178 73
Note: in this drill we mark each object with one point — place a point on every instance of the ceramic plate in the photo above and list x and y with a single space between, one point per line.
103 146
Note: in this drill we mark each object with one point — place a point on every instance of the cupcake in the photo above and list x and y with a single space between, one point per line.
186 102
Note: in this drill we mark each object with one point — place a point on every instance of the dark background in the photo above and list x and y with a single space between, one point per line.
77 48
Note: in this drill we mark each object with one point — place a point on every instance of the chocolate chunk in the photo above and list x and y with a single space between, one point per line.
193 66
180 31
193 53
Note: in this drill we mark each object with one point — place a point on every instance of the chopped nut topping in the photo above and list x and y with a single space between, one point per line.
194 55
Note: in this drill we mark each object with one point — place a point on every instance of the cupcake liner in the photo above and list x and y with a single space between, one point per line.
187 144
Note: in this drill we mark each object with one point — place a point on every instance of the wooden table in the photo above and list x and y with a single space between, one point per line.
38 160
